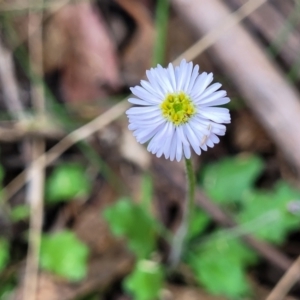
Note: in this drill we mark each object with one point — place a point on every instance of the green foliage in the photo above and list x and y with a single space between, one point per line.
6 291
198 223
147 192
219 266
263 213
1 174
127 219
146 280
66 182
4 253
1 180
20 213
272 209
65 255
227 180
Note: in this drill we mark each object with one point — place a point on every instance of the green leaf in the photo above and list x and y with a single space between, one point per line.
127 219
1 174
65 255
268 215
66 182
199 221
20 212
6 291
219 265
147 192
146 281
4 253
227 180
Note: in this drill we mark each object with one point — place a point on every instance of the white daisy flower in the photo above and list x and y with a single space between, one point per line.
176 111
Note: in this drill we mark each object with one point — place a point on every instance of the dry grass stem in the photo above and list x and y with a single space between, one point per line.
9 85
282 288
53 6
210 38
35 174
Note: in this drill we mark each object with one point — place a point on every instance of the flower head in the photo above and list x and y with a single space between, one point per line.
176 111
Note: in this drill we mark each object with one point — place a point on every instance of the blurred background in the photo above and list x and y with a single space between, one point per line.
86 212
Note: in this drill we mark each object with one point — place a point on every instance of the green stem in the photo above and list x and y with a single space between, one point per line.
161 24
180 236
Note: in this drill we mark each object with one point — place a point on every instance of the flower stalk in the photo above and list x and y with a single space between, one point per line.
180 237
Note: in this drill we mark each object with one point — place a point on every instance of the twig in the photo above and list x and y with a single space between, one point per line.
9 85
18 130
213 35
286 282
35 173
23 6
88 129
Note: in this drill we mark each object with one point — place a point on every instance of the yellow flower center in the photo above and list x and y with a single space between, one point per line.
178 108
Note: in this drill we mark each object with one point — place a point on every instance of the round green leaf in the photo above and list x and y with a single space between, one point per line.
67 182
65 255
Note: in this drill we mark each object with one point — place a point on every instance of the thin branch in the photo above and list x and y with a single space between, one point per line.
9 84
35 173
291 276
212 36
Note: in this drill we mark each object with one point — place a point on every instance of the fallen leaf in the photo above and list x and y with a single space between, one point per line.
78 43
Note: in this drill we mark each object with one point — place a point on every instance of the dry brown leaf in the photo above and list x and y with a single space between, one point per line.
137 56
77 42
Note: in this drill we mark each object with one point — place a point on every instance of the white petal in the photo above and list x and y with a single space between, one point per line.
147 86
195 74
178 149
214 138
142 110
171 76
145 135
181 136
192 138
152 79
167 140
189 69
216 102
180 74
144 95
139 101
212 97
170 135
187 151
173 147
164 80
201 84
214 87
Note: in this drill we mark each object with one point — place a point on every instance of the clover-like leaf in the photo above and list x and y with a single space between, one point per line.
66 182
219 265
268 213
20 212
4 253
146 281
65 255
198 223
129 220
227 180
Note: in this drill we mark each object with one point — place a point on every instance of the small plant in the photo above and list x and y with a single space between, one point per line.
65 255
4 253
67 182
217 257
